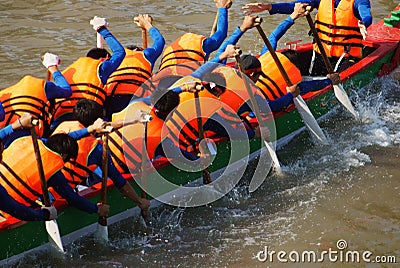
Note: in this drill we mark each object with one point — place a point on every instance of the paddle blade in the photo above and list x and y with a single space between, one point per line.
102 233
54 235
309 120
343 98
272 153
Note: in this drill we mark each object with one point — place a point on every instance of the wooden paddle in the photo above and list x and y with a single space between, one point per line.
214 26
206 172
302 108
102 228
340 93
261 122
143 169
51 226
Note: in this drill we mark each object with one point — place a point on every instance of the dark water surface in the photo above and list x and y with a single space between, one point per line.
349 190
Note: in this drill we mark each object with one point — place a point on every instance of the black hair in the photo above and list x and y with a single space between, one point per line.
98 53
293 56
217 79
63 144
134 48
87 111
249 62
164 101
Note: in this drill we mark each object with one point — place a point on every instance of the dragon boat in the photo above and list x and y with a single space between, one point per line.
381 57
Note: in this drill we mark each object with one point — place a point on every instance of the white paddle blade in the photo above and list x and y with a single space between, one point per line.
102 233
54 235
275 160
309 120
343 98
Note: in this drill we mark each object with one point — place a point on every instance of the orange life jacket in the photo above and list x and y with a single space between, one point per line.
235 94
19 173
77 172
126 143
271 82
134 70
188 47
28 95
182 124
338 29
82 75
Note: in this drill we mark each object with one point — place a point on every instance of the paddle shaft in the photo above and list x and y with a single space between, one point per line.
43 183
319 44
214 26
206 173
144 159
274 56
144 38
104 175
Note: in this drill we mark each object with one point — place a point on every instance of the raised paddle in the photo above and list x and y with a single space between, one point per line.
340 93
102 228
302 108
256 110
206 172
51 226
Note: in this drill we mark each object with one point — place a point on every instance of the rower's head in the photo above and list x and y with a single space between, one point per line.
134 48
164 101
87 112
215 83
98 53
64 145
293 56
251 66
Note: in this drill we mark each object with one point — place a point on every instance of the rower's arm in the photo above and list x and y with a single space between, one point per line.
19 211
277 33
213 42
60 185
108 66
152 53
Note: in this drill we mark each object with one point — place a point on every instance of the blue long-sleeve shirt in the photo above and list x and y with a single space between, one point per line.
362 8
213 42
108 66
61 186
17 210
60 88
117 103
153 53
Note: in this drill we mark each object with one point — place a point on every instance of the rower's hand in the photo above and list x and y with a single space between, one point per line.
335 77
300 10
25 121
255 8
223 3
144 21
294 89
49 59
363 29
52 213
191 86
99 126
231 51
98 22
103 209
248 23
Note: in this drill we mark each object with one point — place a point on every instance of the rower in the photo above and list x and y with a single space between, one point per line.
28 96
88 118
88 75
192 47
341 26
125 83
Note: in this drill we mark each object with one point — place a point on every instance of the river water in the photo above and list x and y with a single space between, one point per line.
344 193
